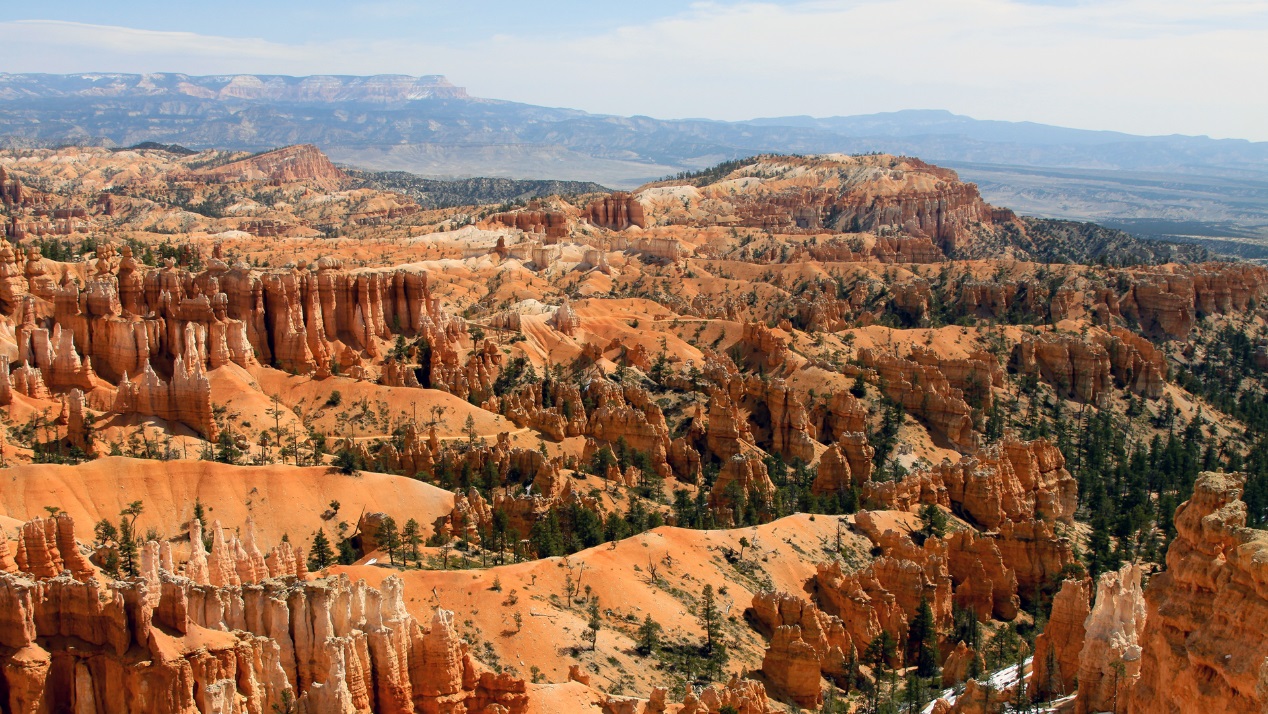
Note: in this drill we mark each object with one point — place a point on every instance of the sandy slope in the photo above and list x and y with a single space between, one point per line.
283 499
310 394
783 556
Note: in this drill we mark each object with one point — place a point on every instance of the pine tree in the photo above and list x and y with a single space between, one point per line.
922 641
320 556
389 538
412 538
859 388
648 636
595 623
200 514
878 654
710 619
127 549
966 627
547 536
916 692
933 522
129 543
347 554
1022 702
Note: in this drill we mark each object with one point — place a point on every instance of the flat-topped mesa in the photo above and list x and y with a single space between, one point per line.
830 193
303 162
1205 635
328 645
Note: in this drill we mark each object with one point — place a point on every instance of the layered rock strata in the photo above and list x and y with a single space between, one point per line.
1204 647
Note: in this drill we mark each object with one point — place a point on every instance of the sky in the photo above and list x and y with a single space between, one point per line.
1140 66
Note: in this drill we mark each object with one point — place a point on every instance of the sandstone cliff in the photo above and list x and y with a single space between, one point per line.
1204 644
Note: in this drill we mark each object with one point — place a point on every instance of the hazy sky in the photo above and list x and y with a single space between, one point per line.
1142 66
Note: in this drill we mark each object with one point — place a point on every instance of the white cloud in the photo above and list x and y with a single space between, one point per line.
1145 66
64 47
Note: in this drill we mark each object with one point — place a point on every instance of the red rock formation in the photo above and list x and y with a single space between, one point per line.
744 696
552 224
328 645
303 162
727 430
46 547
886 594
886 249
1009 481
525 407
78 431
1057 649
841 414
470 515
975 376
56 358
185 399
7 563
1110 660
1166 301
792 665
784 416
1204 639
565 319
616 212
924 391
1085 367
804 642
958 665
983 582
767 349
743 479
1036 554
844 466
631 414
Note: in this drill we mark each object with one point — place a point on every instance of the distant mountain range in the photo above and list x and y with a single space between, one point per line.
378 89
425 125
